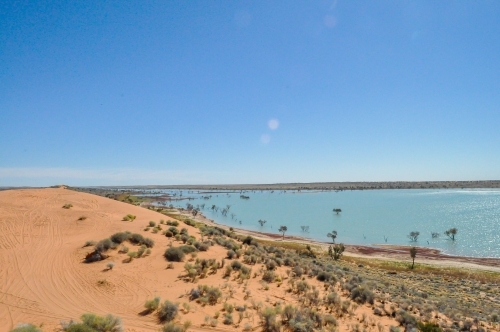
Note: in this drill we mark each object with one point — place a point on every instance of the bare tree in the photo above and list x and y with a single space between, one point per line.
451 233
385 238
305 229
413 236
283 230
434 235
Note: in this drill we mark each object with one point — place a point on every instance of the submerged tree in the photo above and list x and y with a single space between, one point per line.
262 222
283 230
332 235
451 233
434 235
337 210
413 236
413 254
305 229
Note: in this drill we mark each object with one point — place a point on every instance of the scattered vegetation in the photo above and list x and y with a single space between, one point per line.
129 217
94 323
67 206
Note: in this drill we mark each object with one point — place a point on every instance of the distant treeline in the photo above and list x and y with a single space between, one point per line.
333 185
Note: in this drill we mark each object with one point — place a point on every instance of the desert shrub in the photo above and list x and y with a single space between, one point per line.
428 327
141 251
82 218
228 319
89 243
194 294
302 286
269 276
173 223
136 238
325 276
152 224
152 305
169 234
110 265
361 294
92 323
231 254
148 242
329 320
236 265
103 245
189 222
184 231
24 327
332 299
67 206
210 295
288 313
173 230
168 311
406 320
187 249
297 270
271 265
123 249
174 254
203 247
269 321
120 237
184 238
171 327
129 217
248 240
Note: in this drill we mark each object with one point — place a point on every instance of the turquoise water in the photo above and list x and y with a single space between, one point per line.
368 216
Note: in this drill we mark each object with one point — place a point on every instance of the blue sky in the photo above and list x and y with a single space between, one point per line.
175 92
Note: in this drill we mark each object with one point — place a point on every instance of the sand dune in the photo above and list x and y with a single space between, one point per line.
43 278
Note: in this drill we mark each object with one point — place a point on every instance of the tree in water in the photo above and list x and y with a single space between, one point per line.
336 250
413 236
305 229
434 235
337 210
332 235
283 230
413 254
451 233
262 222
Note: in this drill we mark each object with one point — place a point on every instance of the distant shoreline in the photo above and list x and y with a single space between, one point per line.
481 184
398 253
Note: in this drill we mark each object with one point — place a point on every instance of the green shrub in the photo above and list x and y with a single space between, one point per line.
24 327
103 245
152 305
269 276
129 217
428 327
187 249
94 323
174 254
120 237
171 327
361 294
169 234
173 223
228 319
152 224
168 311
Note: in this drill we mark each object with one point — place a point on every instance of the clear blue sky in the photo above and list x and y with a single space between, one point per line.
186 92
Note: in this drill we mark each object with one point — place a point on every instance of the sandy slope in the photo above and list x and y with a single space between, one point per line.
43 278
